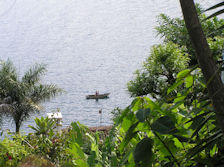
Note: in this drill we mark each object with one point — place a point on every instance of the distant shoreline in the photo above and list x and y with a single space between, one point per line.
100 128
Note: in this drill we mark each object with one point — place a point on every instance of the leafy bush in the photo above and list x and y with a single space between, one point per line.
13 150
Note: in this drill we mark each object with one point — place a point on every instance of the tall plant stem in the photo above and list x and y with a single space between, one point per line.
168 149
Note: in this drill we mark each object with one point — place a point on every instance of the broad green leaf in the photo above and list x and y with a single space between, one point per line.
126 124
143 152
123 115
169 144
151 104
178 144
76 130
129 135
189 81
76 151
164 125
137 103
179 99
142 114
183 74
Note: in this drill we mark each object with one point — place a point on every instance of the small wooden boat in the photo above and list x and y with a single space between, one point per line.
99 96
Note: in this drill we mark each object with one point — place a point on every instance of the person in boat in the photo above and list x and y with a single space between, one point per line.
97 93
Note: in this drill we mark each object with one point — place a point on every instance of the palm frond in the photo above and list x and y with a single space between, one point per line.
10 85
216 14
8 70
23 95
5 109
33 74
44 92
215 6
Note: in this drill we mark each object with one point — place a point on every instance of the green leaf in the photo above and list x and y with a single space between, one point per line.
189 81
183 74
126 124
174 86
81 163
142 114
164 125
123 115
176 105
91 159
183 139
137 103
129 135
151 104
180 98
77 131
76 151
143 152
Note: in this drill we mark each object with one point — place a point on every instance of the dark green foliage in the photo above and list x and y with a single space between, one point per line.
143 152
142 114
43 125
174 55
164 125
159 70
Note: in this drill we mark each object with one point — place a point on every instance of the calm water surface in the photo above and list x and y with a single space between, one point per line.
88 45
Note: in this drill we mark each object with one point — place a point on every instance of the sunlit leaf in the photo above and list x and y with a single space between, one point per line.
129 135
76 129
183 74
189 81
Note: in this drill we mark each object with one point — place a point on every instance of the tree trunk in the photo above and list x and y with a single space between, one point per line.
17 127
205 59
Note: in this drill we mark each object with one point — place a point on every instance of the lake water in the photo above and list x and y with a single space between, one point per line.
88 45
